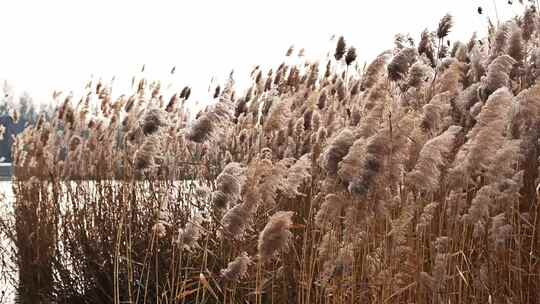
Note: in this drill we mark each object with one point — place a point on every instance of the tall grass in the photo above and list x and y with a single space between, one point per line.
413 180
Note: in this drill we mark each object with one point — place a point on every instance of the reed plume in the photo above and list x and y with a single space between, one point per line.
445 25
340 48
374 71
276 235
432 160
337 150
398 68
350 57
190 234
237 269
498 75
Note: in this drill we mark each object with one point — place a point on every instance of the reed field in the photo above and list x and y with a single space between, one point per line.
411 179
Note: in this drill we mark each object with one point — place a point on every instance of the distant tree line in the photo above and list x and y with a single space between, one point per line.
16 113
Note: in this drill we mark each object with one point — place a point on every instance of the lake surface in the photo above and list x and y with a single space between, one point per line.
7 191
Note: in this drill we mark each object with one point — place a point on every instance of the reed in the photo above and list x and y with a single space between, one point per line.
412 181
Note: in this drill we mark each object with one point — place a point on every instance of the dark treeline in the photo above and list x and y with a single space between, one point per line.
15 116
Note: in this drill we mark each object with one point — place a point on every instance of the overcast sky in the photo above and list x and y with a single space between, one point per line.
47 45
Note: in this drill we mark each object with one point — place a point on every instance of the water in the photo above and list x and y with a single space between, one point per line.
6 171
7 191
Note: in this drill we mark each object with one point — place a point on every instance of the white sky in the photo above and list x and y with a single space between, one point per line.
47 45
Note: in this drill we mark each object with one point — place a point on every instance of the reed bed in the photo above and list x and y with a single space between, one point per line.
412 180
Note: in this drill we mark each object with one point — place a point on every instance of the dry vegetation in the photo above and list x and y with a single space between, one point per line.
410 181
